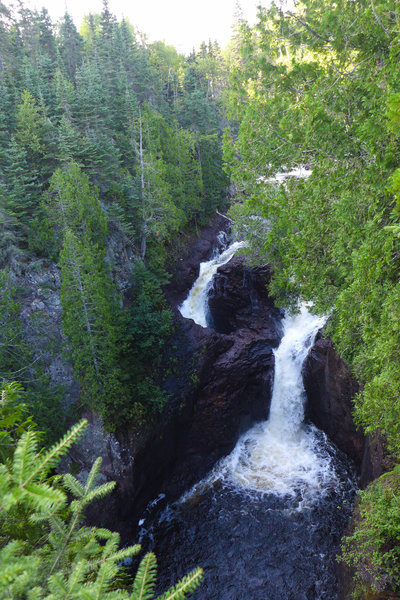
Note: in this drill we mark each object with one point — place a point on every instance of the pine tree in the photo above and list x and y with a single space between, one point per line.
23 197
89 315
70 44
72 203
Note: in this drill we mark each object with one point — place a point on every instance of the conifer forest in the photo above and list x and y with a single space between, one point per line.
115 155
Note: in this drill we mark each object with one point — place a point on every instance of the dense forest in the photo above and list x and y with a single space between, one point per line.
105 142
101 136
111 150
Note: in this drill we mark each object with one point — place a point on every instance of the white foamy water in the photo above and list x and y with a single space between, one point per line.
282 455
195 305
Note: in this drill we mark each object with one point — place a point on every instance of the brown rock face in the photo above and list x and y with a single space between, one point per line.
330 388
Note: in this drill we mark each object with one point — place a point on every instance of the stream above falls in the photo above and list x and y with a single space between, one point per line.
266 522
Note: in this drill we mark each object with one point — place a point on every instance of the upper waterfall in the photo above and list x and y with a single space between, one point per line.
195 305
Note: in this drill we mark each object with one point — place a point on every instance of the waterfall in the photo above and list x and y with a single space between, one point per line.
282 455
195 306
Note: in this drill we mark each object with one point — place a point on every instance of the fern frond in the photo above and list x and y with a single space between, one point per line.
185 586
145 580
73 485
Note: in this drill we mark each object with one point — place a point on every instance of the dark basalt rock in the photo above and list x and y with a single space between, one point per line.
330 388
238 299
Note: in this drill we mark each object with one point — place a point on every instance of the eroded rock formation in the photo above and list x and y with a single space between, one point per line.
222 384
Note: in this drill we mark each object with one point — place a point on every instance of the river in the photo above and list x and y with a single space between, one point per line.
266 522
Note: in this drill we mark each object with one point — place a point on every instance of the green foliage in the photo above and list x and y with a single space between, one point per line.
90 318
72 203
45 551
373 549
12 418
331 238
215 181
108 149
148 326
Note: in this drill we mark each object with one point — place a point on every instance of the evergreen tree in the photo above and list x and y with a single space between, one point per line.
90 318
70 45
23 196
73 204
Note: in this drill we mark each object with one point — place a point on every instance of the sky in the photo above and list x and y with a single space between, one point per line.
180 23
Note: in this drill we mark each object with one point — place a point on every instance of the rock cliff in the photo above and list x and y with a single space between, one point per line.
330 388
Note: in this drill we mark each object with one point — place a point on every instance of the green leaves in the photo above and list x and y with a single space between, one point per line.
373 548
24 480
330 101
145 580
45 552
186 586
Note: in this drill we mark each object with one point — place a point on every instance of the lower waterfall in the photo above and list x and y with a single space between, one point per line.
283 455
266 523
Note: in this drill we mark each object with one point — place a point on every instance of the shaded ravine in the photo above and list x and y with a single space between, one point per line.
267 520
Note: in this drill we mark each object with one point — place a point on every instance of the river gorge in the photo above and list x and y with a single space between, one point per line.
267 519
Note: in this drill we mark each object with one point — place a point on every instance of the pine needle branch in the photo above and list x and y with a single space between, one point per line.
145 580
187 585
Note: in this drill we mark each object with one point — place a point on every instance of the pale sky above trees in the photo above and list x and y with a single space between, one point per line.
181 23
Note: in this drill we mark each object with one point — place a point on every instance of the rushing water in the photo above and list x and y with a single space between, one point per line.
195 305
282 455
266 522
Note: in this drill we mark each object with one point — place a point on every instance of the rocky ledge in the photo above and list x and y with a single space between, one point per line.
330 388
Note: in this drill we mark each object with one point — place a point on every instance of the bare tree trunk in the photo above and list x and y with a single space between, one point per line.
142 185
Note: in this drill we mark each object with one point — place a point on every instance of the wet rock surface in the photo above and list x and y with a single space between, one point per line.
330 388
186 270
238 299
